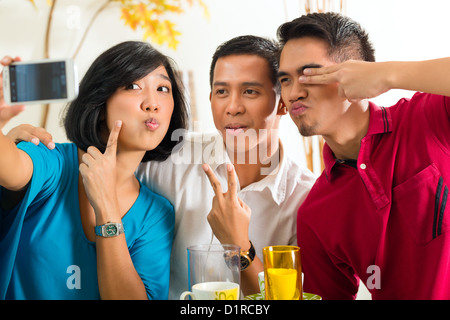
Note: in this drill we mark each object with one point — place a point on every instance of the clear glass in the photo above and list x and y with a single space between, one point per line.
214 272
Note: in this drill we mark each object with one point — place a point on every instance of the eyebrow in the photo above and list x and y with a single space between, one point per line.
164 77
244 84
301 69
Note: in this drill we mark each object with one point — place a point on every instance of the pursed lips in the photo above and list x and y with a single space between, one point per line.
152 124
298 109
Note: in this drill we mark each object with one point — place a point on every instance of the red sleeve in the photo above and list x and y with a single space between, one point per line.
323 274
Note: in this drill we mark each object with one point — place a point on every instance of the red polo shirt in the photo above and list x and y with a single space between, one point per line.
386 220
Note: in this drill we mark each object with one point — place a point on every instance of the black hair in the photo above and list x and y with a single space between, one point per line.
249 45
117 67
345 37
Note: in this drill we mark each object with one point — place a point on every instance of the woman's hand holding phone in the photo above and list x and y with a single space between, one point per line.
7 112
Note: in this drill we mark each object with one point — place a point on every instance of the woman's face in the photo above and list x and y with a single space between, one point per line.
145 108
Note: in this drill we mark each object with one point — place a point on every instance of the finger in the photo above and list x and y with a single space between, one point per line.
83 168
111 147
94 152
12 111
45 137
322 70
24 136
319 79
88 160
42 135
323 75
29 133
7 113
215 183
6 60
232 184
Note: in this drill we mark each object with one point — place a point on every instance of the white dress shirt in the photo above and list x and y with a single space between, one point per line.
274 200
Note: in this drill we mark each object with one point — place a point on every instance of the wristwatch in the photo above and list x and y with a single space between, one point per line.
247 257
110 229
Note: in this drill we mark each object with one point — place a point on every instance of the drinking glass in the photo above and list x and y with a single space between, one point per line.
282 273
214 272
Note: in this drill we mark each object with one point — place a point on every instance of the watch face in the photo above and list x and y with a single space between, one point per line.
244 262
111 230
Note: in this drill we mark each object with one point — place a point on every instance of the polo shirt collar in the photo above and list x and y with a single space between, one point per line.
380 121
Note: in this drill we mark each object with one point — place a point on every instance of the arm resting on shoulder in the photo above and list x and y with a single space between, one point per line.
16 167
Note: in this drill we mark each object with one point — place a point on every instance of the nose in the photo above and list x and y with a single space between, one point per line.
150 100
152 107
298 91
235 106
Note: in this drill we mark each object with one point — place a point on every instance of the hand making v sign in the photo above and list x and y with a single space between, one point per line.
229 217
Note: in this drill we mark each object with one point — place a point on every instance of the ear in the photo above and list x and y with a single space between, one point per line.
210 95
282 109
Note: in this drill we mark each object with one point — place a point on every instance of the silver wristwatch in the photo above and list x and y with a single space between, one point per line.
110 229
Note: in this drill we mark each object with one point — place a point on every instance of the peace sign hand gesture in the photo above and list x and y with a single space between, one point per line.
356 80
229 217
98 171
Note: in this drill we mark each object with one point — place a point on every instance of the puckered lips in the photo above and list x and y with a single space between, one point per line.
152 124
298 108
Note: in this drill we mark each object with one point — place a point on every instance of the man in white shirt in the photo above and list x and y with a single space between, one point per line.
245 102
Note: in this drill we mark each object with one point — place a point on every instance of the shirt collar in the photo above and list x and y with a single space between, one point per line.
275 182
380 121
218 155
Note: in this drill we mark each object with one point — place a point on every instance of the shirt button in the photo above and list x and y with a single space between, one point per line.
363 166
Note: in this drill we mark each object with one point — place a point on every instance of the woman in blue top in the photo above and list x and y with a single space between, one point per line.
76 223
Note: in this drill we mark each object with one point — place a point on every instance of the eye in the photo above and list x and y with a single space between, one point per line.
132 86
164 88
250 92
284 81
220 91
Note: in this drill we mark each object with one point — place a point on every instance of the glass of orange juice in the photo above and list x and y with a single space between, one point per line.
282 273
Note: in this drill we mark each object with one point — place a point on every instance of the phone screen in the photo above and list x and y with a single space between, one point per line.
40 81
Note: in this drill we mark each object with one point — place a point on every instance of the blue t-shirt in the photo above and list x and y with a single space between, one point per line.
44 253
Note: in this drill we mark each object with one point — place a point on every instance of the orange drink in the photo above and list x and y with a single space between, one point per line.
282 272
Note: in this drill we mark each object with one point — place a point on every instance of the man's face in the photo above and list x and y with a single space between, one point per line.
244 101
315 109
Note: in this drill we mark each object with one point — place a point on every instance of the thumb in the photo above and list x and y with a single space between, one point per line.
7 113
111 147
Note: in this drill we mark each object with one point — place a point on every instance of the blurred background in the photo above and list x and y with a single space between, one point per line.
190 30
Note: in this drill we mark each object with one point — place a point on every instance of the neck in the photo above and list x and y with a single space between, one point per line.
126 164
345 141
252 170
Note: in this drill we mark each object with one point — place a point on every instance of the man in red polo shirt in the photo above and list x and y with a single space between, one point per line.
379 211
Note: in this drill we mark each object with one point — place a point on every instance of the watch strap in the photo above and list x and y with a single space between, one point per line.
247 257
